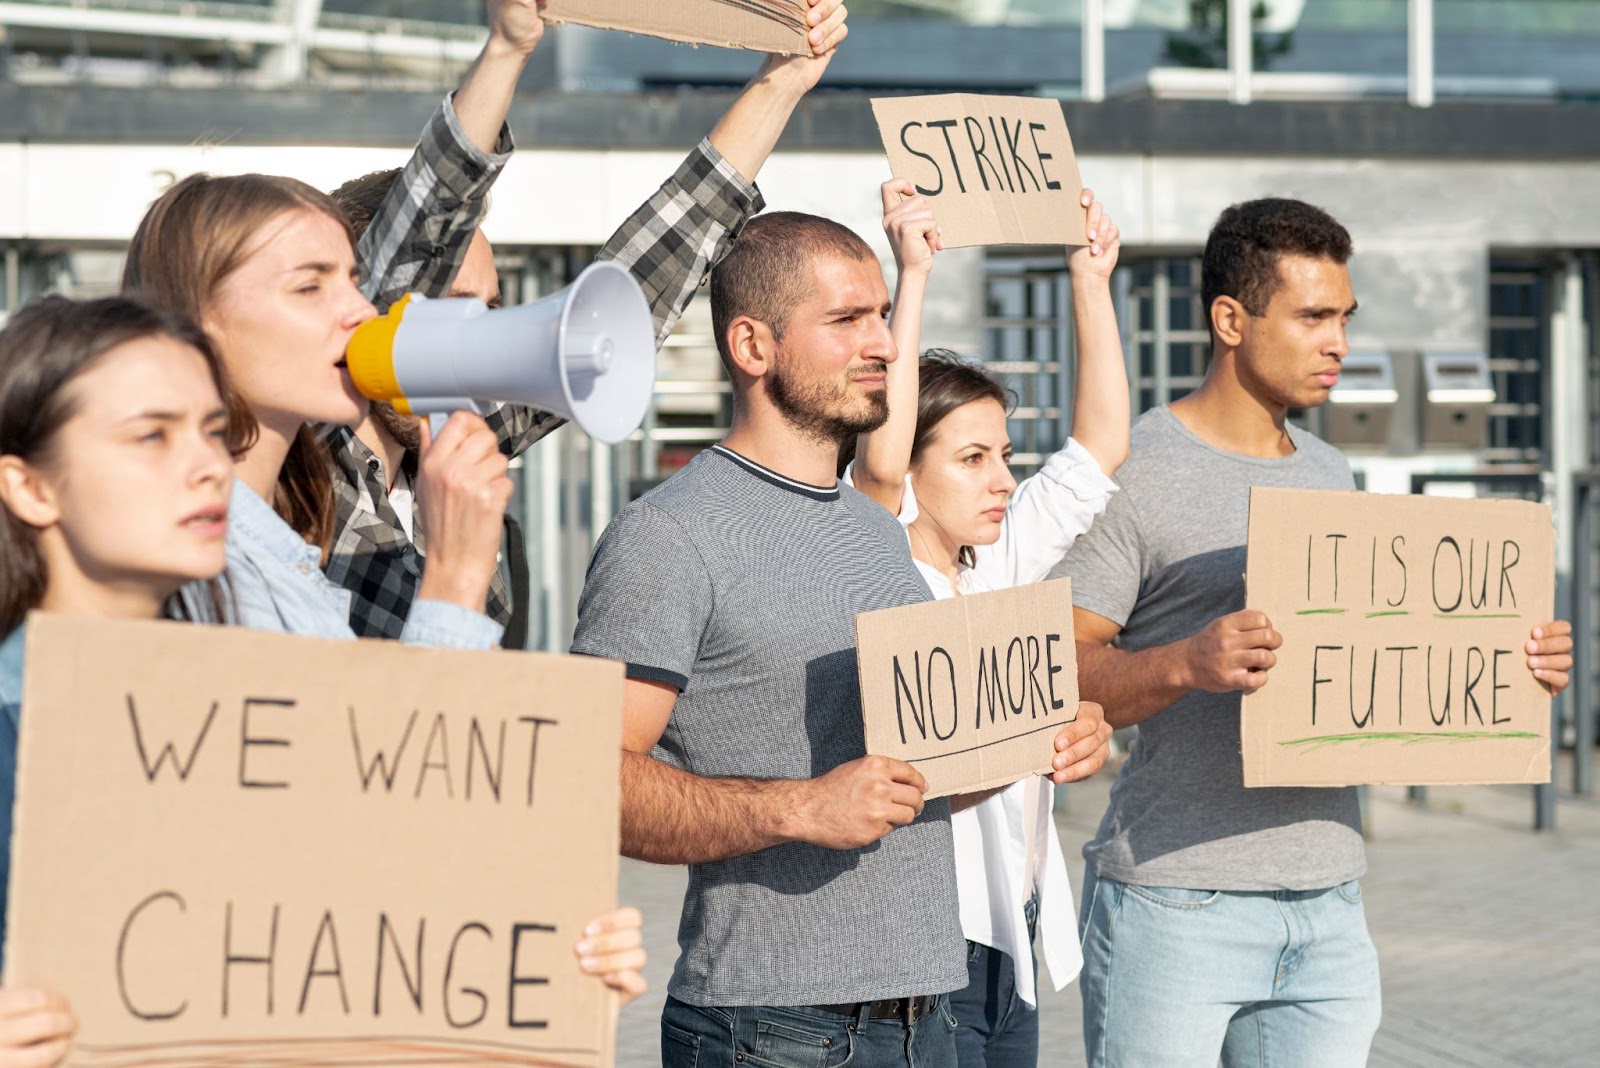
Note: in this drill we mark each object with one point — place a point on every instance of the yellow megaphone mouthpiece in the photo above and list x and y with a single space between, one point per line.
370 356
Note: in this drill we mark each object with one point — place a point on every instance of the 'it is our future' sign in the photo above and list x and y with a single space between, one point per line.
1404 623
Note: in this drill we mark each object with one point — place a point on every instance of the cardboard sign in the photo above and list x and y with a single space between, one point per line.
999 170
762 25
1404 623
972 690
234 847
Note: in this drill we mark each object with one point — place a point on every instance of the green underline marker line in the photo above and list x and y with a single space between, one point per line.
1396 612
1484 615
1322 611
1404 737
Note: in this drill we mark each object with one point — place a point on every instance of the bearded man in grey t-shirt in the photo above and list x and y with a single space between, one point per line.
1221 923
821 923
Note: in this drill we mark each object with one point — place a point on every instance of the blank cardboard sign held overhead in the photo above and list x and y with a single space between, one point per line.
762 25
970 690
1404 622
240 848
998 170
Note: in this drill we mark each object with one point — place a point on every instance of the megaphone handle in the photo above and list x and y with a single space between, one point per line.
437 419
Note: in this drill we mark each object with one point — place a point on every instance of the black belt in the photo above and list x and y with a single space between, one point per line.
906 1010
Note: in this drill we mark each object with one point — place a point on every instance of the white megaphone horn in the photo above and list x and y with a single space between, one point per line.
587 353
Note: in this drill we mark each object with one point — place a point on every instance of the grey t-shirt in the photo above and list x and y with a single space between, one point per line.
740 587
1166 558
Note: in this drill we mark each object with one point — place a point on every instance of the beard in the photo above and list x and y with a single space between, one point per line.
405 429
826 411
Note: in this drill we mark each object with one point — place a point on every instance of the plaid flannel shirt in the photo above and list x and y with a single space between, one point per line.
416 244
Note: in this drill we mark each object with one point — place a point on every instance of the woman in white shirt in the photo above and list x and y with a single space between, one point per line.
944 471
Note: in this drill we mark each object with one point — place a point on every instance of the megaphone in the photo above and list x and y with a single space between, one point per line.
587 353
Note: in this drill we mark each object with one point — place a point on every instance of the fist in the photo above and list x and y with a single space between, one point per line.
1233 653
913 232
858 803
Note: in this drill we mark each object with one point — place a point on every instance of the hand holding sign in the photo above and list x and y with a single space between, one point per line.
517 23
36 1027
912 230
1233 653
1082 746
1550 655
858 803
1102 242
613 949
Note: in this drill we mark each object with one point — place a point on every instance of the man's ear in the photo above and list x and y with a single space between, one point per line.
751 346
1229 321
25 494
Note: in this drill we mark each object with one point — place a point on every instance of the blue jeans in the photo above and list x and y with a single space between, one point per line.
802 1037
995 1028
1184 978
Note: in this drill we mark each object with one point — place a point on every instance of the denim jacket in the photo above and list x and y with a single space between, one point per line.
10 703
275 582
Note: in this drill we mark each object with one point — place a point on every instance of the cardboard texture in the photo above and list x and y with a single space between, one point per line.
971 690
999 170
1404 621
241 848
760 25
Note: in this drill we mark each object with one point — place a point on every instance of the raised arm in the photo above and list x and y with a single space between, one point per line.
671 816
420 233
675 237
747 133
1100 411
884 455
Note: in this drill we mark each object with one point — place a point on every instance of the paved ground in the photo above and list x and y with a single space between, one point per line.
1489 933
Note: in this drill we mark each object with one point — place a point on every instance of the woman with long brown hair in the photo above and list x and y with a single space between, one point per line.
266 265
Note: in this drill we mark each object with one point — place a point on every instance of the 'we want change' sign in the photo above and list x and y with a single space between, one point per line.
1404 623
240 848
970 690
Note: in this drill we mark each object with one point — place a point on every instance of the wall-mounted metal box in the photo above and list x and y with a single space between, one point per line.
1361 407
1456 394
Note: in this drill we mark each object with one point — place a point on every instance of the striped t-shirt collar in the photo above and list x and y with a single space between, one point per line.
766 474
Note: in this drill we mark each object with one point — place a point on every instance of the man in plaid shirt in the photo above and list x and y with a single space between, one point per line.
425 231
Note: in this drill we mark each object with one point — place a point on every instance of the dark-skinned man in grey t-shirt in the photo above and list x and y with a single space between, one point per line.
821 922
1219 923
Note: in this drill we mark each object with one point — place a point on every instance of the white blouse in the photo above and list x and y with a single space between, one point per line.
999 859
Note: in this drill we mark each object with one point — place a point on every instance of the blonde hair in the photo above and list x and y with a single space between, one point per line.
197 234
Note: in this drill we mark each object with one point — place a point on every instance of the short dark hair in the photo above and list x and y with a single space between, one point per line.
767 272
1248 240
360 198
